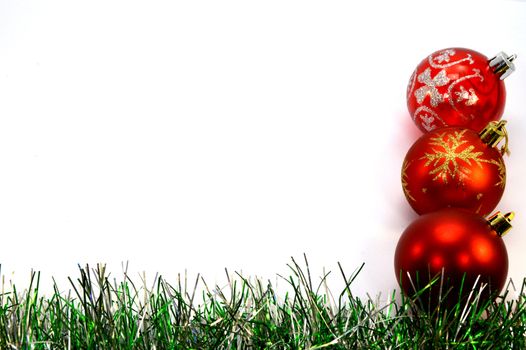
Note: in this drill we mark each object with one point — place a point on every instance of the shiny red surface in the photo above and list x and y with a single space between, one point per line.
457 241
471 75
479 191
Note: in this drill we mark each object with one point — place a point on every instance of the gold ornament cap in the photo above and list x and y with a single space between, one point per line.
501 223
494 133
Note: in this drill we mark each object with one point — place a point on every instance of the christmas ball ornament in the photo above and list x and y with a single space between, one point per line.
463 249
456 167
458 87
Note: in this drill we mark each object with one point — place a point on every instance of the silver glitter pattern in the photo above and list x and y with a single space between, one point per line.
468 96
411 84
472 99
445 56
428 118
430 87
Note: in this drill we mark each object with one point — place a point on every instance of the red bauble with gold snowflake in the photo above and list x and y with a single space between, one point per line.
458 87
456 167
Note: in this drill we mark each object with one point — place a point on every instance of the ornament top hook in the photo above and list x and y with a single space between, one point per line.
502 64
493 133
501 223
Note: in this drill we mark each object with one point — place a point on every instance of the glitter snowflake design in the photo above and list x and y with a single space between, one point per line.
405 183
446 157
430 87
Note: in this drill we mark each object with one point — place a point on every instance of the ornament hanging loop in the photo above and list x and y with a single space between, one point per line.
503 65
494 133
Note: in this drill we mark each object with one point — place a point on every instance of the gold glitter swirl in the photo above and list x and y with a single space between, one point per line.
405 183
502 172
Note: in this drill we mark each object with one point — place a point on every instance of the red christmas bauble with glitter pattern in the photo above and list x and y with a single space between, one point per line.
458 87
455 167
455 245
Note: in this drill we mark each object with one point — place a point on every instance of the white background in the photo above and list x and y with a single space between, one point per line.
201 135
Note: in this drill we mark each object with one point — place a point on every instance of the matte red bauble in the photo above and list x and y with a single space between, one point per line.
463 246
456 167
458 87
